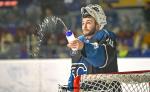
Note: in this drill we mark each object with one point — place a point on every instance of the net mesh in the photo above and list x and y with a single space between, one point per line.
122 82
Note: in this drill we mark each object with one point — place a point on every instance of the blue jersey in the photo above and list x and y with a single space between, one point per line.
98 54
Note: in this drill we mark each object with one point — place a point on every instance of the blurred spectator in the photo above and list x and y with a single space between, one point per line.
145 50
138 36
123 49
73 5
147 15
58 6
146 39
126 23
8 48
112 16
21 36
48 12
6 41
34 10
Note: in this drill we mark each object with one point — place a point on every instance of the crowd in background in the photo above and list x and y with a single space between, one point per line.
19 28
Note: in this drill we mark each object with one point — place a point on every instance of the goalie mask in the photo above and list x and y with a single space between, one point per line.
96 12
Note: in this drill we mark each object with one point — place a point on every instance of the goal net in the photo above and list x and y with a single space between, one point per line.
136 81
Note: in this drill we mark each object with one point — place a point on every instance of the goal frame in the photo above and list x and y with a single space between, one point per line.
77 79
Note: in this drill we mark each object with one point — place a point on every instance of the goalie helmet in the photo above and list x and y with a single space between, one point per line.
96 12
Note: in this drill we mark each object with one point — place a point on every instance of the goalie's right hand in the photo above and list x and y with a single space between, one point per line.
76 44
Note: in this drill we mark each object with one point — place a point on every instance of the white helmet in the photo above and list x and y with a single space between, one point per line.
95 11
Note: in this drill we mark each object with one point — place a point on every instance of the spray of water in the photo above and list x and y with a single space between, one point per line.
49 24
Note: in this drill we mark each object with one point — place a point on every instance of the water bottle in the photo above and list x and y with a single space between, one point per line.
70 37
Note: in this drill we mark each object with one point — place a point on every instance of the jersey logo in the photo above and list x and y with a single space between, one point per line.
110 42
78 69
95 44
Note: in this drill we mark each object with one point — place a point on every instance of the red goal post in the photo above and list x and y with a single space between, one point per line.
131 81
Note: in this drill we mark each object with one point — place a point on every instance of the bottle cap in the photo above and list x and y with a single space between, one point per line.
68 33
